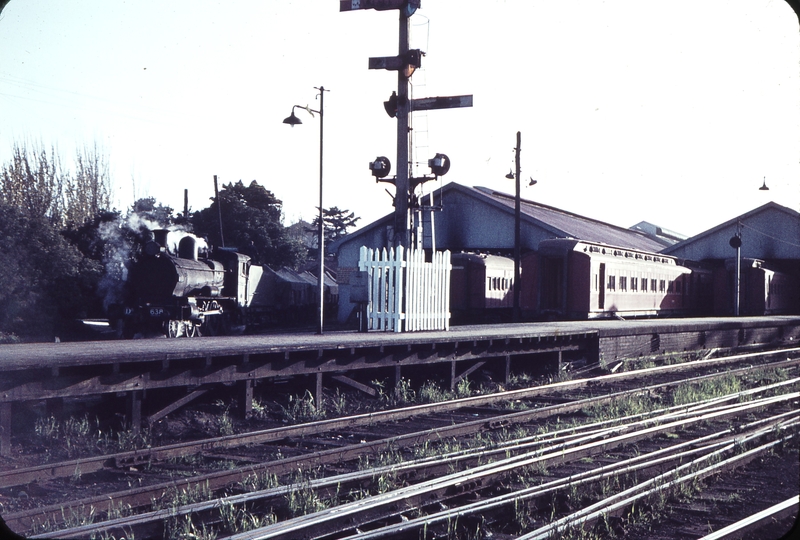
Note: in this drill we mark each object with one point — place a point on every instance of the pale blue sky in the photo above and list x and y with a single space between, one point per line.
629 110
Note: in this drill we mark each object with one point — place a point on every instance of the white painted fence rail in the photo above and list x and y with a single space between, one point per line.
406 291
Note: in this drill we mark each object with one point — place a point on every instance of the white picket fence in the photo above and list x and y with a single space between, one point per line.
406 291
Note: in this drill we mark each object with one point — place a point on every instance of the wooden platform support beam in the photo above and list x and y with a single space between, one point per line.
175 405
246 398
507 376
318 391
355 384
135 410
455 379
5 428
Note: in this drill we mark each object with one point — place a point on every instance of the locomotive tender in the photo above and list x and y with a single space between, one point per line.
178 286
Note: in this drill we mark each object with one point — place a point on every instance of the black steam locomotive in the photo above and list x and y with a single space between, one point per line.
179 286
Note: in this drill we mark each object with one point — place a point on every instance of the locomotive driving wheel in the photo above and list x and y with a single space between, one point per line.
174 328
192 329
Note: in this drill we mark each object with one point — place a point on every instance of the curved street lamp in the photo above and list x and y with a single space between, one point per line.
293 120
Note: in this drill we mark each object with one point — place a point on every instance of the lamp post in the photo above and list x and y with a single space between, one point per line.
292 120
514 175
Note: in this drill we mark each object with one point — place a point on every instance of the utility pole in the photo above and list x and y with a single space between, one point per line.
517 231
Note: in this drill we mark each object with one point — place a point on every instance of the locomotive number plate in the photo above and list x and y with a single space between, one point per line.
156 312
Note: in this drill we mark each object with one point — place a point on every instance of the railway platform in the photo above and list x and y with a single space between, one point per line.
188 368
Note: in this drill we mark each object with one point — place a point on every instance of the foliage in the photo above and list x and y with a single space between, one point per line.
336 221
88 192
35 182
46 281
251 222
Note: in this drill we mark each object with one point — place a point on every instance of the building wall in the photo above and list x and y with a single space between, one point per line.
771 234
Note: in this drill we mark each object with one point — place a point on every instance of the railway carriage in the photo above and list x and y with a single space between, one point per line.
580 280
763 290
481 287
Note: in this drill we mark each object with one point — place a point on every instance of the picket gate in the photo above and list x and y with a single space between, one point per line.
406 293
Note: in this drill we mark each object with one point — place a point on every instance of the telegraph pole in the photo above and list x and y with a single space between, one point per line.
517 231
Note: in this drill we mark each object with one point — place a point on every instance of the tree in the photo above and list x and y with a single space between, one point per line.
336 224
88 192
252 223
32 182
46 281
35 182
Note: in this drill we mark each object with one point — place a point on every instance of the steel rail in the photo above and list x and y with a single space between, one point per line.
777 512
144 495
92 464
654 485
347 516
342 481
635 464
443 463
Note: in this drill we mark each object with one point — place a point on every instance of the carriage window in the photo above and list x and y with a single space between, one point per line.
634 283
662 285
623 283
612 283
653 285
644 284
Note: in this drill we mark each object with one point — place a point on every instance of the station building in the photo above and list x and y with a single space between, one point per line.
479 219
768 256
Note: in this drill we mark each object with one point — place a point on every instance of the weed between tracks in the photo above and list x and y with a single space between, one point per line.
80 436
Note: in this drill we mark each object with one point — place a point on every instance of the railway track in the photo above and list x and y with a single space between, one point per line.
591 438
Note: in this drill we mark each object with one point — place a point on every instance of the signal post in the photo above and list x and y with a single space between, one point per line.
400 106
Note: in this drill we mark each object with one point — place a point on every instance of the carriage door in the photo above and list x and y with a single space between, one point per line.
602 287
552 284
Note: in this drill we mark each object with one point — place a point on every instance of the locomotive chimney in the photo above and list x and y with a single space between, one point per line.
160 237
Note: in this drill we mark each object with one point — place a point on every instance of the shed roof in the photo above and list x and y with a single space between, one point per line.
558 223
564 224
770 223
